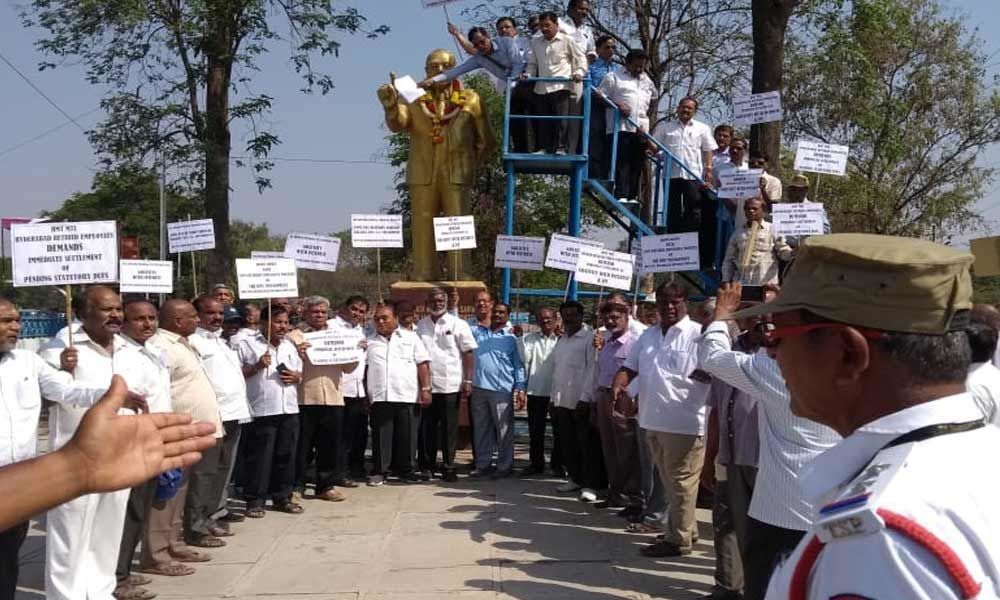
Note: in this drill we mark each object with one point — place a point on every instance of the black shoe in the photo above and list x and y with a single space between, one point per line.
502 474
410 478
232 517
629 512
559 472
346 483
664 550
424 475
480 473
723 595
531 471
450 476
602 504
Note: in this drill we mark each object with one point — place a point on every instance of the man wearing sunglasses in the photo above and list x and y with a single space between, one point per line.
870 338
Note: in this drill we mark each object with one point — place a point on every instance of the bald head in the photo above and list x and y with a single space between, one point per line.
179 316
101 314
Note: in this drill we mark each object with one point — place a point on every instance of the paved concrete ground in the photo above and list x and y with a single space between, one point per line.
508 539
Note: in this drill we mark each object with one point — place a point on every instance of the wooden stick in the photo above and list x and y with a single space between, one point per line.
569 279
447 19
69 314
267 370
378 262
517 295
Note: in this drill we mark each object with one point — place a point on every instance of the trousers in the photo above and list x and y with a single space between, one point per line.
271 460
493 414
538 416
81 550
162 538
439 428
10 545
355 436
729 525
140 503
593 474
394 436
227 464
654 499
320 427
203 496
679 458
767 545
620 446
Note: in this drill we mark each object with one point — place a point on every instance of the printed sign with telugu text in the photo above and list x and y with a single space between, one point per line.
333 346
670 252
64 253
816 157
798 218
267 278
318 252
189 236
605 268
564 250
454 233
520 252
146 276
757 108
739 184
377 231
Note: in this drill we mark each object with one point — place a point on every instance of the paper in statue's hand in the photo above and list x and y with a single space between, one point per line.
408 88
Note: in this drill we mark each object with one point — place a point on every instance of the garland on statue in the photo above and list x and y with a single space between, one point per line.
456 101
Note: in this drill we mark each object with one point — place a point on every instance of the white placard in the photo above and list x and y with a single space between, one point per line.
267 278
606 268
520 252
740 184
798 218
64 253
333 346
816 157
670 252
408 89
454 233
318 252
564 250
757 108
189 236
266 254
377 231
146 276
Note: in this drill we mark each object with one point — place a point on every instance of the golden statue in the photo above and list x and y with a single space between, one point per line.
449 136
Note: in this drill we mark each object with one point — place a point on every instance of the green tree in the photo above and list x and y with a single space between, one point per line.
174 70
906 88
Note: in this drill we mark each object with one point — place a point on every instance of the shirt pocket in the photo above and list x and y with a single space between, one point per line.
402 352
674 361
27 393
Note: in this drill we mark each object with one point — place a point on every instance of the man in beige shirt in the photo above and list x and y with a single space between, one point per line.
554 54
191 392
321 410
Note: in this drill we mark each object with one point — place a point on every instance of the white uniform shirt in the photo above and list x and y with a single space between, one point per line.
582 35
94 368
145 371
222 364
983 384
621 87
558 57
938 485
266 393
392 366
536 354
24 379
352 383
669 400
446 341
688 143
574 358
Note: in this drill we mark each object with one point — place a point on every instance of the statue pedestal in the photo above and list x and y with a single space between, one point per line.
415 292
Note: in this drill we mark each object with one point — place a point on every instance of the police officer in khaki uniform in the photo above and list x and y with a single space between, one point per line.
870 337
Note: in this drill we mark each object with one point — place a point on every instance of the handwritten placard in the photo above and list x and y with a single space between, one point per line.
798 218
333 346
757 108
520 252
816 157
377 231
564 251
64 253
454 233
190 236
317 252
605 268
267 278
670 252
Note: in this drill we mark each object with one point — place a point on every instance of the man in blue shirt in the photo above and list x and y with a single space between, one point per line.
600 147
497 385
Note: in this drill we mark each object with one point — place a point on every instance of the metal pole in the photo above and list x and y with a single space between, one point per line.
509 223
69 315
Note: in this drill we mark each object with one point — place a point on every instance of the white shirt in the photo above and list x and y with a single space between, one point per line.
983 384
787 442
539 365
392 366
573 372
266 393
446 341
582 35
145 371
938 484
688 143
669 401
94 368
222 364
24 379
621 87
352 383
558 57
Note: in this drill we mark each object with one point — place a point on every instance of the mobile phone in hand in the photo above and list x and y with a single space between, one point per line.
752 293
281 368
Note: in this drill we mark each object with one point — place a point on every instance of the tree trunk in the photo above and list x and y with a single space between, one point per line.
217 149
770 21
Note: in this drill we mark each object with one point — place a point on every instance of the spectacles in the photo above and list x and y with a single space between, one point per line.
772 337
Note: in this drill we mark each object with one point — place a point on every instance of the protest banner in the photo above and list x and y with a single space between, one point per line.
266 254
764 107
266 278
520 252
670 252
816 157
987 254
454 233
189 236
333 346
739 184
564 250
64 253
146 276
798 218
605 268
377 231
317 252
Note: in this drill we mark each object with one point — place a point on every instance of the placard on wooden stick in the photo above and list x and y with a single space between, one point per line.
519 252
191 236
564 251
317 252
605 268
64 253
267 278
146 276
454 233
377 231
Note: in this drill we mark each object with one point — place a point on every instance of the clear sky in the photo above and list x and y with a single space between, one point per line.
345 125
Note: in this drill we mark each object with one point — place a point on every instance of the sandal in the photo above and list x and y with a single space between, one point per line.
206 541
136 579
172 569
641 527
255 513
131 592
190 556
289 507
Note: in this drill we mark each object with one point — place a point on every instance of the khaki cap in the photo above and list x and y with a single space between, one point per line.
888 283
799 180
